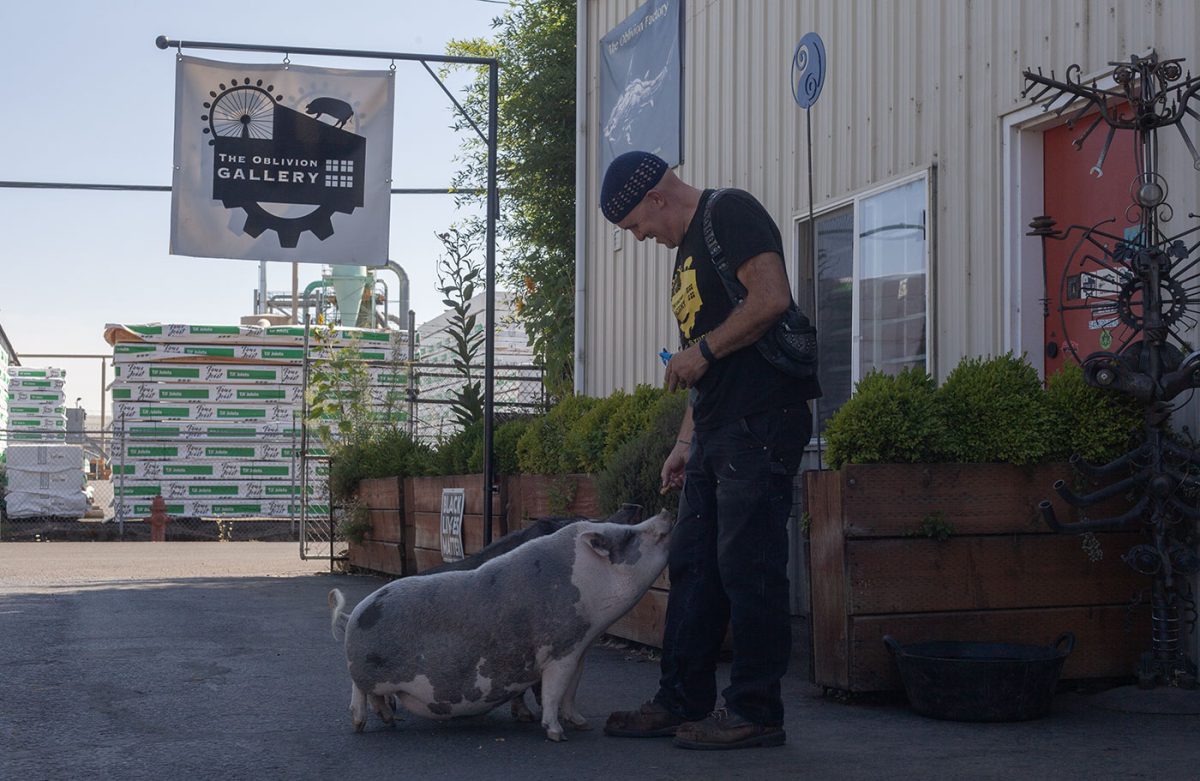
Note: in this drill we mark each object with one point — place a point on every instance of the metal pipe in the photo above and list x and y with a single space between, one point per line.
163 42
402 292
103 406
409 378
1109 491
1100 524
489 350
295 291
166 188
378 281
581 187
262 288
1095 472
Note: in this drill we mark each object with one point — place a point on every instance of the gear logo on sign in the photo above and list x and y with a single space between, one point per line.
271 161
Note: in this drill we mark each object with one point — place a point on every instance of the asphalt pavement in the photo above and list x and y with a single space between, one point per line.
215 661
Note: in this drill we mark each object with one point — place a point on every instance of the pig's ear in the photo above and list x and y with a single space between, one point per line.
599 544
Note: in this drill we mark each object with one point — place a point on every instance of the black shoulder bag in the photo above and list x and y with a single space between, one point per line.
791 344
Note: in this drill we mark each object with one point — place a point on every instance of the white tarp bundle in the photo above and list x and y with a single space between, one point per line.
45 458
45 480
26 505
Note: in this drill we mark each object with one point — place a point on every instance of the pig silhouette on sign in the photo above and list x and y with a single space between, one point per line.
338 109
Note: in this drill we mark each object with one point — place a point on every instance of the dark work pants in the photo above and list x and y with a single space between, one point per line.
728 565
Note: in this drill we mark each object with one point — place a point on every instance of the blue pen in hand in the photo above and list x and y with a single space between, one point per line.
665 355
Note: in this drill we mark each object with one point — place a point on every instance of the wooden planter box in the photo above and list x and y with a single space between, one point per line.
522 499
528 497
1002 576
385 547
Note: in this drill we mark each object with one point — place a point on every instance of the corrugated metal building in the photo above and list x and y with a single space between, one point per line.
920 134
917 91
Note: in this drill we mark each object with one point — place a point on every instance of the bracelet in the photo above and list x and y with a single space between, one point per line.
683 441
706 351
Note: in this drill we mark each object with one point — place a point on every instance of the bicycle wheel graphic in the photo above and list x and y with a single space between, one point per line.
244 111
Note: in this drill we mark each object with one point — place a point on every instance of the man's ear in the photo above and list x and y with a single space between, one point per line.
598 544
657 198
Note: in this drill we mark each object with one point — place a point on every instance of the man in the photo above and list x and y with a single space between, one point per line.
737 452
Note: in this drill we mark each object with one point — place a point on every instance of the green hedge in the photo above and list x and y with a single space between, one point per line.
888 419
988 410
383 455
634 472
1097 424
542 449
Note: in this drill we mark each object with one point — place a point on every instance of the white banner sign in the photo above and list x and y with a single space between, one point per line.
276 162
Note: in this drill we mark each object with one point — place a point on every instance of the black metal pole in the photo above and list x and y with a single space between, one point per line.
489 340
812 243
163 42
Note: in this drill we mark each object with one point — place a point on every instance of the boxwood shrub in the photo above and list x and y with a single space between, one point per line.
890 418
634 473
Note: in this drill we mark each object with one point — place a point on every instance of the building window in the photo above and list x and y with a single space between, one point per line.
869 287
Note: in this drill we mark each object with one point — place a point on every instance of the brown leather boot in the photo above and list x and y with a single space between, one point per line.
651 720
725 730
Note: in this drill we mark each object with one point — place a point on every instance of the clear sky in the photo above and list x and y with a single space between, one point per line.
86 96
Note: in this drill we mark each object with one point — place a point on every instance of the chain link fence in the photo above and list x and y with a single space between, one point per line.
518 390
101 485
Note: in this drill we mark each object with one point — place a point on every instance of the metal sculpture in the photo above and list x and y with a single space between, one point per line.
1147 287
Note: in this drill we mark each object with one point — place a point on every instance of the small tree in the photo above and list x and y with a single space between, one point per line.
458 274
535 43
339 392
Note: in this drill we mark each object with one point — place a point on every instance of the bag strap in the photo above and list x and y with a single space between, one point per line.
733 288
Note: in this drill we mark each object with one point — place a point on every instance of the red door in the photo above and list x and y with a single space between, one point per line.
1075 196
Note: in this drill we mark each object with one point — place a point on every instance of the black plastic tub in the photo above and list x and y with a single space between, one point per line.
963 681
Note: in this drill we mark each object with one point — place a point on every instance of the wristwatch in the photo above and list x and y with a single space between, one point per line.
705 351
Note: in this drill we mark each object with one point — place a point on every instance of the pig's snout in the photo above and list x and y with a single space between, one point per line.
662 524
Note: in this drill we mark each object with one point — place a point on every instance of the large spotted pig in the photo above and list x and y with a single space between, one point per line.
627 514
461 643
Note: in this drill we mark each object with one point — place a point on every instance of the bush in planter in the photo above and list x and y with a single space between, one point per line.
355 524
540 450
994 410
634 473
988 410
890 418
584 444
633 415
453 454
385 454
504 448
1097 424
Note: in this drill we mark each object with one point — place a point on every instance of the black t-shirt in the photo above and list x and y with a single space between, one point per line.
742 382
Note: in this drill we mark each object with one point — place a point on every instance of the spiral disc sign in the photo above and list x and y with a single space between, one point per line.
808 70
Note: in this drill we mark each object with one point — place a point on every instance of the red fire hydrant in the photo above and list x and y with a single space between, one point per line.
158 519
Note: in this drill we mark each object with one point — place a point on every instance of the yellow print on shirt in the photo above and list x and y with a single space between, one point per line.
685 298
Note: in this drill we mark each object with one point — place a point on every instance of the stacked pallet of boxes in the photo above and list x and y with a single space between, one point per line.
209 416
45 476
36 406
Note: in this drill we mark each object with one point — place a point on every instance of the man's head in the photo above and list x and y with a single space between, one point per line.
640 194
